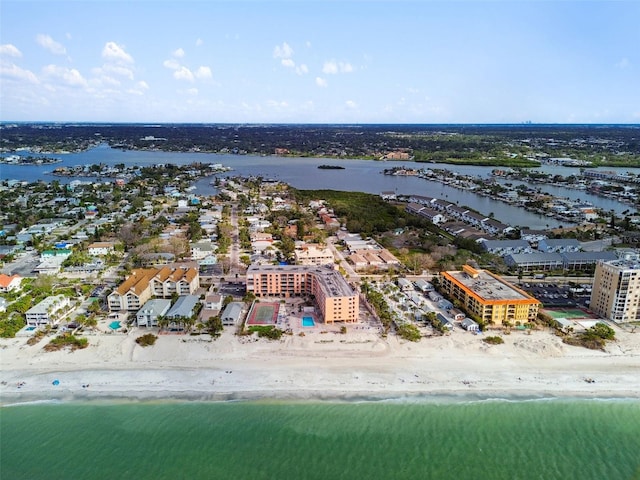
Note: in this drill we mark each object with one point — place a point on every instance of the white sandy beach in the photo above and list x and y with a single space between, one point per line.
319 366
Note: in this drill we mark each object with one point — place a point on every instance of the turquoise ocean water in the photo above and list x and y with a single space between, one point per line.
549 439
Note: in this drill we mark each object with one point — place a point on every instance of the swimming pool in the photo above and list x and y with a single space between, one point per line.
114 325
30 329
308 322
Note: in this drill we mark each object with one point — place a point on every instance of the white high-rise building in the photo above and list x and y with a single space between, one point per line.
616 290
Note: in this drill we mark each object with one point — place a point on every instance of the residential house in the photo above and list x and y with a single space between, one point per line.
232 314
49 311
101 248
9 283
148 315
469 325
201 250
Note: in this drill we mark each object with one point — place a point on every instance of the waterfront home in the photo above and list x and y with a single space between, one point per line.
389 195
495 227
232 314
559 245
422 200
185 307
431 214
148 315
505 247
469 325
444 321
49 311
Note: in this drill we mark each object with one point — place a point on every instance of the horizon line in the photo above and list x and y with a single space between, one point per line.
155 124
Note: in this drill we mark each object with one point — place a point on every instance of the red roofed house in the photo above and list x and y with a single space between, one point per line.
9 283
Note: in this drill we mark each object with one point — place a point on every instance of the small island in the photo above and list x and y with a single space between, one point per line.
330 167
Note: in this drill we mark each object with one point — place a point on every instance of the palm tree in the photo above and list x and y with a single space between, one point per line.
163 322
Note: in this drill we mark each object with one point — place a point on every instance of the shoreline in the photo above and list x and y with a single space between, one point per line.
458 367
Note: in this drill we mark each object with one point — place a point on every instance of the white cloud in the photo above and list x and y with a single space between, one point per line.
143 85
179 53
331 67
302 69
284 51
15 72
203 73
107 80
171 64
50 44
69 76
351 104
10 50
199 42
118 70
113 51
287 62
623 63
183 73
321 82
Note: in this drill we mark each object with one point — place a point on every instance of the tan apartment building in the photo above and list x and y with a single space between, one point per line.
313 255
488 297
333 296
145 283
616 290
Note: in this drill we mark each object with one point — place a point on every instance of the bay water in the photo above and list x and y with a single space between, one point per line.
417 439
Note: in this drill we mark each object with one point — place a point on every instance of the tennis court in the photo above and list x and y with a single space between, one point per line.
263 313
568 313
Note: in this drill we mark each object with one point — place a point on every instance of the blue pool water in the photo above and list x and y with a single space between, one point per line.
114 325
30 329
308 322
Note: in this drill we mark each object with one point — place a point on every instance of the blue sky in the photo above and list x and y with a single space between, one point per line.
320 62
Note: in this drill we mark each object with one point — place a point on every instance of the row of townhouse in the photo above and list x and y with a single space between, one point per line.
546 245
450 210
144 283
537 261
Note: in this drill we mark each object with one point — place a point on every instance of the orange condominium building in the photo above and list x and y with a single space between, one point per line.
334 297
489 297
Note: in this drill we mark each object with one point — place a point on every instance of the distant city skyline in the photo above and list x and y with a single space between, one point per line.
358 61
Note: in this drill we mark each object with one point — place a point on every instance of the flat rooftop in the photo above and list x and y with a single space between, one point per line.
487 286
331 281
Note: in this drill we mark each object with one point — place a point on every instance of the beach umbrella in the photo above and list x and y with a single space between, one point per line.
56 382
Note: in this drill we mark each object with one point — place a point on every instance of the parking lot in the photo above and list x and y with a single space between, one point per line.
553 295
